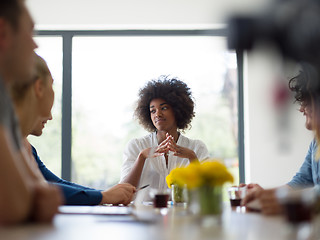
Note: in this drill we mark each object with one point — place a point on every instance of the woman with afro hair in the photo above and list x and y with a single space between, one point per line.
165 108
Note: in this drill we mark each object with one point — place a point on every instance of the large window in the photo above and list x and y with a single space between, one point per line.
107 73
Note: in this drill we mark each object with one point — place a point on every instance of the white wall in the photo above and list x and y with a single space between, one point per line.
267 164
274 151
79 14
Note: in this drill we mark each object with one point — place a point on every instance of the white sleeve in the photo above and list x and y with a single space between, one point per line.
130 155
201 151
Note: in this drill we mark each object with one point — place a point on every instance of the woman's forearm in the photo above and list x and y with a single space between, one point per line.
134 175
193 157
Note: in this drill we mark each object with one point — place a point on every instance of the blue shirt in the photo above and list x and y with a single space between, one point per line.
309 173
74 194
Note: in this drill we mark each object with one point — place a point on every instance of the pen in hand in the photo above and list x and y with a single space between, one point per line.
140 188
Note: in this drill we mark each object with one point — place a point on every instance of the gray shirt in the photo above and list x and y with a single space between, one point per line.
8 119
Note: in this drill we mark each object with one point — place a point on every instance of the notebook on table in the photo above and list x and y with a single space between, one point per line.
95 210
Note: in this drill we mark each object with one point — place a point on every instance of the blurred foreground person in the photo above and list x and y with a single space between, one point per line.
22 195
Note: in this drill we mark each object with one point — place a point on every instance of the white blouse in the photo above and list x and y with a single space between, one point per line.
155 170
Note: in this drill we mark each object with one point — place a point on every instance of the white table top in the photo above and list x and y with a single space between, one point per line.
149 224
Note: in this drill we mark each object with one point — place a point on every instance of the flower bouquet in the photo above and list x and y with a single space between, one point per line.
206 179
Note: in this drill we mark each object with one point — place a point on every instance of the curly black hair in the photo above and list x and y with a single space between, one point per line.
298 85
305 85
175 92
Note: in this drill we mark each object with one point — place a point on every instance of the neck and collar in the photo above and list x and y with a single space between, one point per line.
161 135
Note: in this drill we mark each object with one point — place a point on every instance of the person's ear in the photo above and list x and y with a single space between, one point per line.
39 88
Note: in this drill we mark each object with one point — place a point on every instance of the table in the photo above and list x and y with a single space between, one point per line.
149 224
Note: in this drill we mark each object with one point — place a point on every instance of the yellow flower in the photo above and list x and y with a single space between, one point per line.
189 176
169 180
215 173
174 176
212 173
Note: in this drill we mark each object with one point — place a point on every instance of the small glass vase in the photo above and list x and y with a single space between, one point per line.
210 205
206 205
179 194
210 200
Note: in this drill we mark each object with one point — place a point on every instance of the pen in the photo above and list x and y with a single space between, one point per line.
143 187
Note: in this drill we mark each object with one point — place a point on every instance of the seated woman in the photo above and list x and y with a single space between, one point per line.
34 110
307 93
24 96
165 108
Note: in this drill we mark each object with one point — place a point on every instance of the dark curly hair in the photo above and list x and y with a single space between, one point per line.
175 92
306 87
299 85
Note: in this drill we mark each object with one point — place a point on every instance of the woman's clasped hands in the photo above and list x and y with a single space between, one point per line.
169 144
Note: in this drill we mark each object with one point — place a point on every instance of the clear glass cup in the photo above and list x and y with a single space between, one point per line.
179 194
236 194
160 197
299 208
298 205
